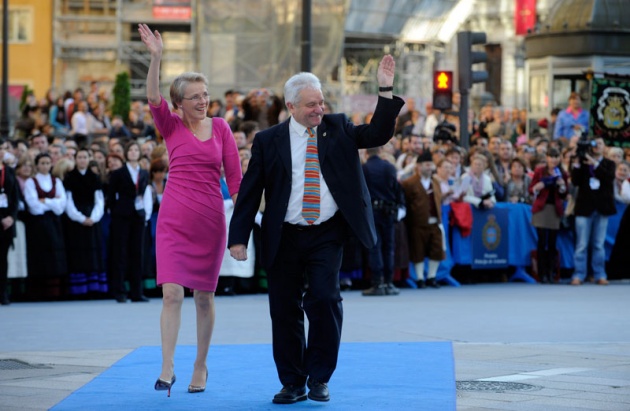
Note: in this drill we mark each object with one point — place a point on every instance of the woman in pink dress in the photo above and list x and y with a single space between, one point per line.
191 231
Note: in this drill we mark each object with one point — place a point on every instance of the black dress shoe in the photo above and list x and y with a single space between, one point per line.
4 300
431 282
290 394
318 391
141 299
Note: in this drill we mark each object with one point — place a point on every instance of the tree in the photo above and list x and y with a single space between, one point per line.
122 96
26 92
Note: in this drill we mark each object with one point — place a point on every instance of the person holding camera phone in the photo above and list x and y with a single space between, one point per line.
549 187
594 176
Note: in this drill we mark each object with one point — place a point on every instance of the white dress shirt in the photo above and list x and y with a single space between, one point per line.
328 207
57 205
80 123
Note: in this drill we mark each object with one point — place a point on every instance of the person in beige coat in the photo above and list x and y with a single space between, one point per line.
423 198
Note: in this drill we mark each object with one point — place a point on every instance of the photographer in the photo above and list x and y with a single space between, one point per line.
445 134
549 187
593 175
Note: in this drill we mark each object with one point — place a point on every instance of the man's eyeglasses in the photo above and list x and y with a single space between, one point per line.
197 97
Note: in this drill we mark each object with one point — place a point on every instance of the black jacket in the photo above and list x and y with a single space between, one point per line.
122 192
382 182
11 188
588 200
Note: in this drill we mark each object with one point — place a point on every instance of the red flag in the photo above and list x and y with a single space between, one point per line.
524 16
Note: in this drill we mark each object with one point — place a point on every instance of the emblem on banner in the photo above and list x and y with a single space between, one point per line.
610 111
613 108
491 233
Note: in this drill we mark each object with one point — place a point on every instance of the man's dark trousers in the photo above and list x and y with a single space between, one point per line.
310 255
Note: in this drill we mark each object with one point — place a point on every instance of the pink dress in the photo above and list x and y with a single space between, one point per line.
191 232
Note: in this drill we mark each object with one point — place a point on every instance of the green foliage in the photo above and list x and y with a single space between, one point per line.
122 96
25 93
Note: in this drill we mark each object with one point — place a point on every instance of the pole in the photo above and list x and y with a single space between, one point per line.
306 35
464 137
4 114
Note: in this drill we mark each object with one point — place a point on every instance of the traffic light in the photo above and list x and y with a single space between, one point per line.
442 90
467 57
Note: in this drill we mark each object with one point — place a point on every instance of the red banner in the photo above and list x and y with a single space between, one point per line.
172 13
524 16
172 9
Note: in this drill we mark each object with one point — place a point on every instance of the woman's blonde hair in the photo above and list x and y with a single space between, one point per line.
23 160
63 167
181 82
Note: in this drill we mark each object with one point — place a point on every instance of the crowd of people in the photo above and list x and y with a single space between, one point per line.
74 140
572 182
98 207
71 146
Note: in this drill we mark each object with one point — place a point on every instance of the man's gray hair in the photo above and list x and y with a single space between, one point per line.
299 82
62 148
181 82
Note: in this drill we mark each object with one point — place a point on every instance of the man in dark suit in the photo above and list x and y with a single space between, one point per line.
387 199
306 247
594 177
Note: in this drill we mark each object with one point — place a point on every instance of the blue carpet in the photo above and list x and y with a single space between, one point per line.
369 376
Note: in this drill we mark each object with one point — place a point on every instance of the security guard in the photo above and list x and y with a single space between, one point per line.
387 198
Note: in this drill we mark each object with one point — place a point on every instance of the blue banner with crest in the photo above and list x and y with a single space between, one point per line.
491 249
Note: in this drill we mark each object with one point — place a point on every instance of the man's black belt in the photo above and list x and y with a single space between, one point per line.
332 220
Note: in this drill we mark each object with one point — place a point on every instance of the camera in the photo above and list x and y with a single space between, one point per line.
584 146
444 132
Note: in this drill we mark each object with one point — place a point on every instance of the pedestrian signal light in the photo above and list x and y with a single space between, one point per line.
443 80
442 90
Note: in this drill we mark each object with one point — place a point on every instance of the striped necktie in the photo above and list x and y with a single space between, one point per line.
310 203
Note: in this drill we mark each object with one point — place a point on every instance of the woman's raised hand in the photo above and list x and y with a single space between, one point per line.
153 40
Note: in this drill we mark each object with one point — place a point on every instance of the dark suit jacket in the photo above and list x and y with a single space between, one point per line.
382 181
601 200
12 190
269 171
120 183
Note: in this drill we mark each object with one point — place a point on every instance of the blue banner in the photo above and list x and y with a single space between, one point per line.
491 246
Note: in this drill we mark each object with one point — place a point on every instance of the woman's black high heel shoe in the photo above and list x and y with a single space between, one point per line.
161 385
195 388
